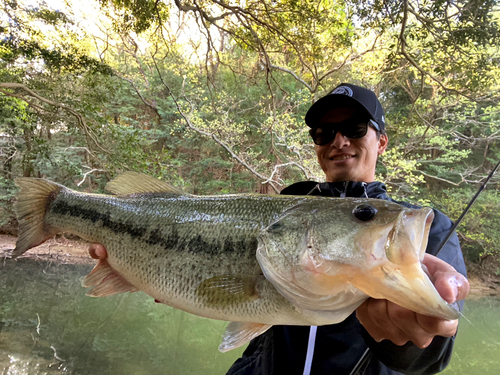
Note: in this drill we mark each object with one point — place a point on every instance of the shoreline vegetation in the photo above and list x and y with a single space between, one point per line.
73 251
213 99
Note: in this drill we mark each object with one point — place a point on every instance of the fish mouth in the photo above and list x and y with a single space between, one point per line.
407 240
408 287
400 277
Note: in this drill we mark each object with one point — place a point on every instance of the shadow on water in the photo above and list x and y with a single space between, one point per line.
48 325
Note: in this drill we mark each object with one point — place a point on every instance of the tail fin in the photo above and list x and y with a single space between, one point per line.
31 204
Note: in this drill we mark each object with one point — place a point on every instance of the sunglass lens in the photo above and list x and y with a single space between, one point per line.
355 129
321 136
350 128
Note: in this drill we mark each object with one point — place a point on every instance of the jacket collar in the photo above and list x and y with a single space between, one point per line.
353 189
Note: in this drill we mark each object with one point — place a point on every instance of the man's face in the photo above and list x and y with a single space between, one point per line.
345 159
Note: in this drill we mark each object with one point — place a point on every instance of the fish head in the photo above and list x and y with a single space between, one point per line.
356 247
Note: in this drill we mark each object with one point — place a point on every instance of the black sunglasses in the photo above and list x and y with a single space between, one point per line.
351 128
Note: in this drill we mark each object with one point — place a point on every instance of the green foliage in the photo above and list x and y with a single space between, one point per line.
211 96
478 233
7 191
21 41
448 42
139 15
70 59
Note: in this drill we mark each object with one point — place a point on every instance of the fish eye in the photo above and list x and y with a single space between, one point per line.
364 212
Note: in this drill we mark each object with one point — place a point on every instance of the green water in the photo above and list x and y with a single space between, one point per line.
477 347
49 326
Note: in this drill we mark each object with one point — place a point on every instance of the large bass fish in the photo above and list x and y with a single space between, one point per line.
253 260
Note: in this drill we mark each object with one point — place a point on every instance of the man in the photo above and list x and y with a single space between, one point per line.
348 129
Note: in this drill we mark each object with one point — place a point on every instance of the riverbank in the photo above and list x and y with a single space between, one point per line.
57 250
64 251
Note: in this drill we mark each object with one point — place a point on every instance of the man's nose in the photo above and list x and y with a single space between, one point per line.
340 140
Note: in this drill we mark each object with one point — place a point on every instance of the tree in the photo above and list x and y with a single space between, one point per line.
211 94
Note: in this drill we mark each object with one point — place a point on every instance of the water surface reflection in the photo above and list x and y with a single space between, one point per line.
49 326
477 348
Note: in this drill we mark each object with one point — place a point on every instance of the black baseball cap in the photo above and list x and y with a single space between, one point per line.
351 96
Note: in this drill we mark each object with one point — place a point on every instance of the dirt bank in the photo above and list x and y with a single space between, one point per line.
58 249
65 251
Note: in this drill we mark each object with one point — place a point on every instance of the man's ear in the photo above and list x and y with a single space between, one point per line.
382 143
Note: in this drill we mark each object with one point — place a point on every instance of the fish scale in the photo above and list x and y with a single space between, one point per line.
255 260
189 243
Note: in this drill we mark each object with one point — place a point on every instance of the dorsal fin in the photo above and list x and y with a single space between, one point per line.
136 183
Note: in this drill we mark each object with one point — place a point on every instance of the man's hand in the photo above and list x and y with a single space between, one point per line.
385 320
97 251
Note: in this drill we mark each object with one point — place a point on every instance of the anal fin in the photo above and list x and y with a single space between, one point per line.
239 333
106 281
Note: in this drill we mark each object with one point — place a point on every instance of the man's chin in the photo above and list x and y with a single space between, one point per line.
339 177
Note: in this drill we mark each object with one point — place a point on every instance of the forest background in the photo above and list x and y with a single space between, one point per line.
211 96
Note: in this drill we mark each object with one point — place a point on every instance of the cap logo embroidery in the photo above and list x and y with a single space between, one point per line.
342 90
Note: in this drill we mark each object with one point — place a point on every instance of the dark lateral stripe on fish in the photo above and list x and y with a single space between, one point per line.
172 241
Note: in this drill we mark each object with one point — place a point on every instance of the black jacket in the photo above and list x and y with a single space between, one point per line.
338 347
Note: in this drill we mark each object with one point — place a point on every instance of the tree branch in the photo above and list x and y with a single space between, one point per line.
403 51
441 179
213 136
81 120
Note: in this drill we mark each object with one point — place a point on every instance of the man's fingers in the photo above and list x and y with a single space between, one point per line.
435 264
437 326
97 251
451 285
407 322
363 315
373 315
385 320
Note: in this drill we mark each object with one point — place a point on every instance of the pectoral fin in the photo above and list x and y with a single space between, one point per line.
239 333
229 289
108 281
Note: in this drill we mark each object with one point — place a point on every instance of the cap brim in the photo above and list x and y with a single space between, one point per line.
326 103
